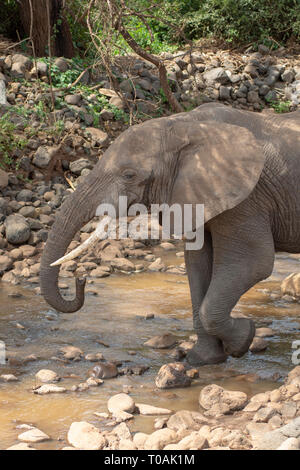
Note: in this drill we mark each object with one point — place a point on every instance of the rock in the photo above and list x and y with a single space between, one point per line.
193 441
139 439
20 64
157 266
273 439
5 264
172 375
225 93
21 447
149 410
253 97
165 341
186 420
218 401
105 370
8 378
43 156
258 345
264 332
123 265
121 402
106 115
93 382
62 64
291 285
159 439
85 436
288 76
17 229
73 99
33 435
99 272
117 102
47 376
71 352
3 97
217 74
94 357
3 179
231 438
122 431
126 444
264 414
97 135
49 388
167 246
79 165
294 375
290 444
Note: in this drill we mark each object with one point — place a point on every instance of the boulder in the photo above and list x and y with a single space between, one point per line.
149 410
79 165
121 402
105 370
43 156
218 401
291 285
258 345
165 341
33 435
49 388
98 137
172 375
85 436
47 376
159 439
17 229
272 440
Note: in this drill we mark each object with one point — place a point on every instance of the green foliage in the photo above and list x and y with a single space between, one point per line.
240 20
280 107
9 141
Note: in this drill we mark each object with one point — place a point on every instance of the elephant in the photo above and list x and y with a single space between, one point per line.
243 166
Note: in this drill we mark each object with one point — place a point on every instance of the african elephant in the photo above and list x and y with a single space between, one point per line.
245 168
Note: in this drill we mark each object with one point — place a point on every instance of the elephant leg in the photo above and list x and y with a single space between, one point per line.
208 349
243 256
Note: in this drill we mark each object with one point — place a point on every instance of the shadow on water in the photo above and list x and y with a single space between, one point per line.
114 323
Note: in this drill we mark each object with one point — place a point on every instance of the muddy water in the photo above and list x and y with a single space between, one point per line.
114 323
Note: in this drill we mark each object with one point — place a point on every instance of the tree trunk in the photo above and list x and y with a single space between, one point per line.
36 24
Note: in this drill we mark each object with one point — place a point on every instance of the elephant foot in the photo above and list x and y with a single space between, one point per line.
242 332
208 350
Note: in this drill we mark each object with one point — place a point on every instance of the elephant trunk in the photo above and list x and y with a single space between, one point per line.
76 211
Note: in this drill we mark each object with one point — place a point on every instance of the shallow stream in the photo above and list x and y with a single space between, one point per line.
116 317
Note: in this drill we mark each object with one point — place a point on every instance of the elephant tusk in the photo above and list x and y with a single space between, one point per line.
99 234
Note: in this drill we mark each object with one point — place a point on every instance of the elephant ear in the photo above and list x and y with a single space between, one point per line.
219 167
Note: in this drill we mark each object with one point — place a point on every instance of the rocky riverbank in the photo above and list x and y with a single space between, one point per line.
226 420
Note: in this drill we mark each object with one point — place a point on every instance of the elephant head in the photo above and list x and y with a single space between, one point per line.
165 160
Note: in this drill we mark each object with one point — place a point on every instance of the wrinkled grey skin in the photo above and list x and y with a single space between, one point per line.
245 168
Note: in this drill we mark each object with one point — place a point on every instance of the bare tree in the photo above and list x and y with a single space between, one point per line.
111 15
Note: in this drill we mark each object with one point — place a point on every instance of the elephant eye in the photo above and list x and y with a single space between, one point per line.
129 174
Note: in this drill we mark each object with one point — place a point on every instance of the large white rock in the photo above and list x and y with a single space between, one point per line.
160 439
149 410
85 436
47 376
218 401
33 435
121 402
22 446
